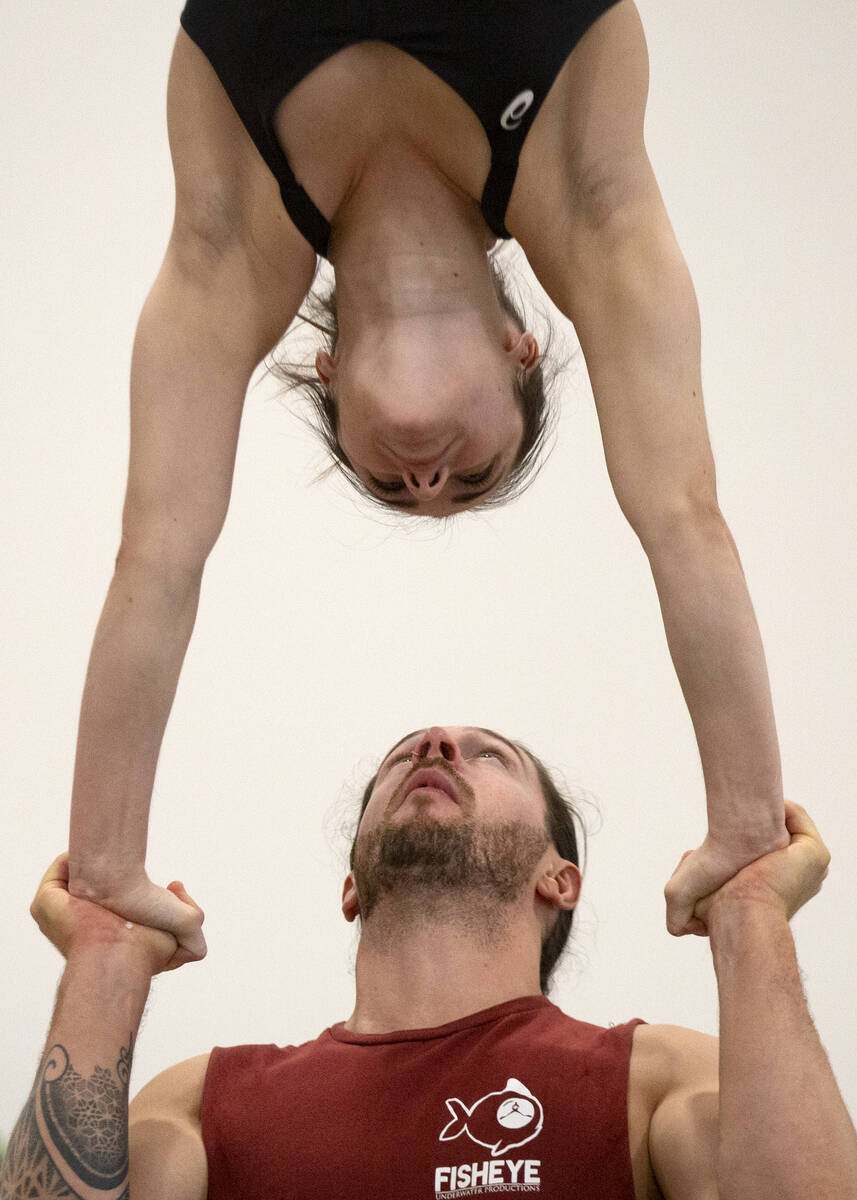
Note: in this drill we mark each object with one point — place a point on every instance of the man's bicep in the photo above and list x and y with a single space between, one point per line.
684 1129
166 1153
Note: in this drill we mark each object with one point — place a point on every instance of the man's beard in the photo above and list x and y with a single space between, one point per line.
432 863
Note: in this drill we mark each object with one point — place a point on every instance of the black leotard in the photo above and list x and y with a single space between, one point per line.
501 58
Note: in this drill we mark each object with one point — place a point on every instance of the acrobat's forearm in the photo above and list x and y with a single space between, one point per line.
133 673
717 651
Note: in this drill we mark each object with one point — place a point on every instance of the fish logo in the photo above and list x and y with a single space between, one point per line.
499 1120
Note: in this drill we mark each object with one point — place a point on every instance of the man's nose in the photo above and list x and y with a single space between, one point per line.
425 482
437 742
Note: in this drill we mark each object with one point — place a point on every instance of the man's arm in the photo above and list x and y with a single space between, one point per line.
71 1140
781 1130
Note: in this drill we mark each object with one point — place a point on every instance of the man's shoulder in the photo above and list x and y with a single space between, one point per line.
672 1053
670 1058
167 1159
175 1094
673 1108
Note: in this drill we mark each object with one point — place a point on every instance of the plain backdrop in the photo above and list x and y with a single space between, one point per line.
326 632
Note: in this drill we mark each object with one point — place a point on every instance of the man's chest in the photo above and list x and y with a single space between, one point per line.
415 1121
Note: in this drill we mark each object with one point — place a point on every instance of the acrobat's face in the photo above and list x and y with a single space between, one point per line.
431 425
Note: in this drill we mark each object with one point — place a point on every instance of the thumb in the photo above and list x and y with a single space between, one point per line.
188 930
680 900
686 854
179 890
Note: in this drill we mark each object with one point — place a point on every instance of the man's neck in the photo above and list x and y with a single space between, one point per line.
418 970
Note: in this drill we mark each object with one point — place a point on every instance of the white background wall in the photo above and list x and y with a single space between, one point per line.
324 634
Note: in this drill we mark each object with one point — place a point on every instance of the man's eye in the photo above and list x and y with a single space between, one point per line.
492 754
390 485
405 757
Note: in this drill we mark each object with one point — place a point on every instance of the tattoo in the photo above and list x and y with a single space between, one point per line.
71 1142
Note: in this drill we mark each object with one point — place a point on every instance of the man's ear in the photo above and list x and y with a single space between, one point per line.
350 899
559 885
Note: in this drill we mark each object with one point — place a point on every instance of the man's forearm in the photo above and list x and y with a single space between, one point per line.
717 651
133 672
71 1139
785 1133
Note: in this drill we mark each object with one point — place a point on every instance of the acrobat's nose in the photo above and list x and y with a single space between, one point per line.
426 481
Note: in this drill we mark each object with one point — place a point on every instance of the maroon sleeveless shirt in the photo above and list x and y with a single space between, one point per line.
518 1098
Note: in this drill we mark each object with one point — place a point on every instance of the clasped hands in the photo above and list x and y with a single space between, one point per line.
784 876
161 927
165 924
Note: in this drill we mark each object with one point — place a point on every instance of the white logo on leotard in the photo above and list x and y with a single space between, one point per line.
513 113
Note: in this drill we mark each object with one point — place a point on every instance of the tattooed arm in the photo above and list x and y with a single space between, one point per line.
71 1140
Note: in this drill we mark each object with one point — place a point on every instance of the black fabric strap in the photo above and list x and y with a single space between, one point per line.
313 224
499 184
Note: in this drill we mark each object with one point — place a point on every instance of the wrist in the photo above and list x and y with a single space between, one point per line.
100 878
102 994
758 819
741 917
122 956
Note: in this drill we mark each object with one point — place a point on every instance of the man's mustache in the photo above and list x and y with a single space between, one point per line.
465 793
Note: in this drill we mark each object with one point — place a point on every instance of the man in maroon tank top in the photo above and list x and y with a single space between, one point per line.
454 1075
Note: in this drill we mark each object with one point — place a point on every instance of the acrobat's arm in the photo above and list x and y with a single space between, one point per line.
611 263
233 277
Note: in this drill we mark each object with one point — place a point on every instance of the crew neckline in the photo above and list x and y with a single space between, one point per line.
520 1004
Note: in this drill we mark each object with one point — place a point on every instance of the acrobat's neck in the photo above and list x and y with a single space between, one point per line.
407 243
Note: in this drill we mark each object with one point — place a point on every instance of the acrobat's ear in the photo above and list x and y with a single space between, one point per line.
350 899
559 885
325 367
524 348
